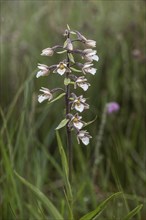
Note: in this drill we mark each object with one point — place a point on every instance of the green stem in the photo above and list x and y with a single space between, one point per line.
69 141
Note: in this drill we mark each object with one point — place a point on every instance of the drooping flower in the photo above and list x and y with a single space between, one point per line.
78 103
47 52
82 82
61 68
44 70
90 55
112 107
46 95
84 137
76 122
87 68
68 44
89 43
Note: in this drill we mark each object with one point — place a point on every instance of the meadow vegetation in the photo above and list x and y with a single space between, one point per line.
28 142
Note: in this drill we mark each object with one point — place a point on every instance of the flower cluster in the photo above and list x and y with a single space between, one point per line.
72 72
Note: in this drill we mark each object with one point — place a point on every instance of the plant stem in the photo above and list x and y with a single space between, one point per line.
69 142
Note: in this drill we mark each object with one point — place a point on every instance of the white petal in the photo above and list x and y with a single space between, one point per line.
61 71
79 108
41 98
86 65
42 67
84 86
40 73
91 43
78 125
92 71
95 57
85 140
92 53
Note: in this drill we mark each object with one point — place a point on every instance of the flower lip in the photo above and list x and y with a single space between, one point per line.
87 68
90 55
82 83
79 103
84 137
76 122
61 68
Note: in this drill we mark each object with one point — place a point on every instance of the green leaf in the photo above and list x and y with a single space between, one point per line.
49 205
65 167
75 70
67 81
60 52
100 208
58 97
71 57
62 123
133 212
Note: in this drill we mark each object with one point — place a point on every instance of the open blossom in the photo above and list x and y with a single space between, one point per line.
84 137
87 68
44 70
76 122
47 95
61 68
90 55
82 82
78 103
112 107
47 52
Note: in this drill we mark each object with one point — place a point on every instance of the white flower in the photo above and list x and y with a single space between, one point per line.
87 68
90 43
68 44
82 83
61 68
79 103
90 55
84 137
47 52
46 95
44 70
76 122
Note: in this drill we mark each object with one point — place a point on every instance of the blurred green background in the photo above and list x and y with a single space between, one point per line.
28 142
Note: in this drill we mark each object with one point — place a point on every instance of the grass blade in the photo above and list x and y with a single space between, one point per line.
49 205
133 212
100 208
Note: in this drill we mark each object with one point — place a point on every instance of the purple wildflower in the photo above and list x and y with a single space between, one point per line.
112 107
